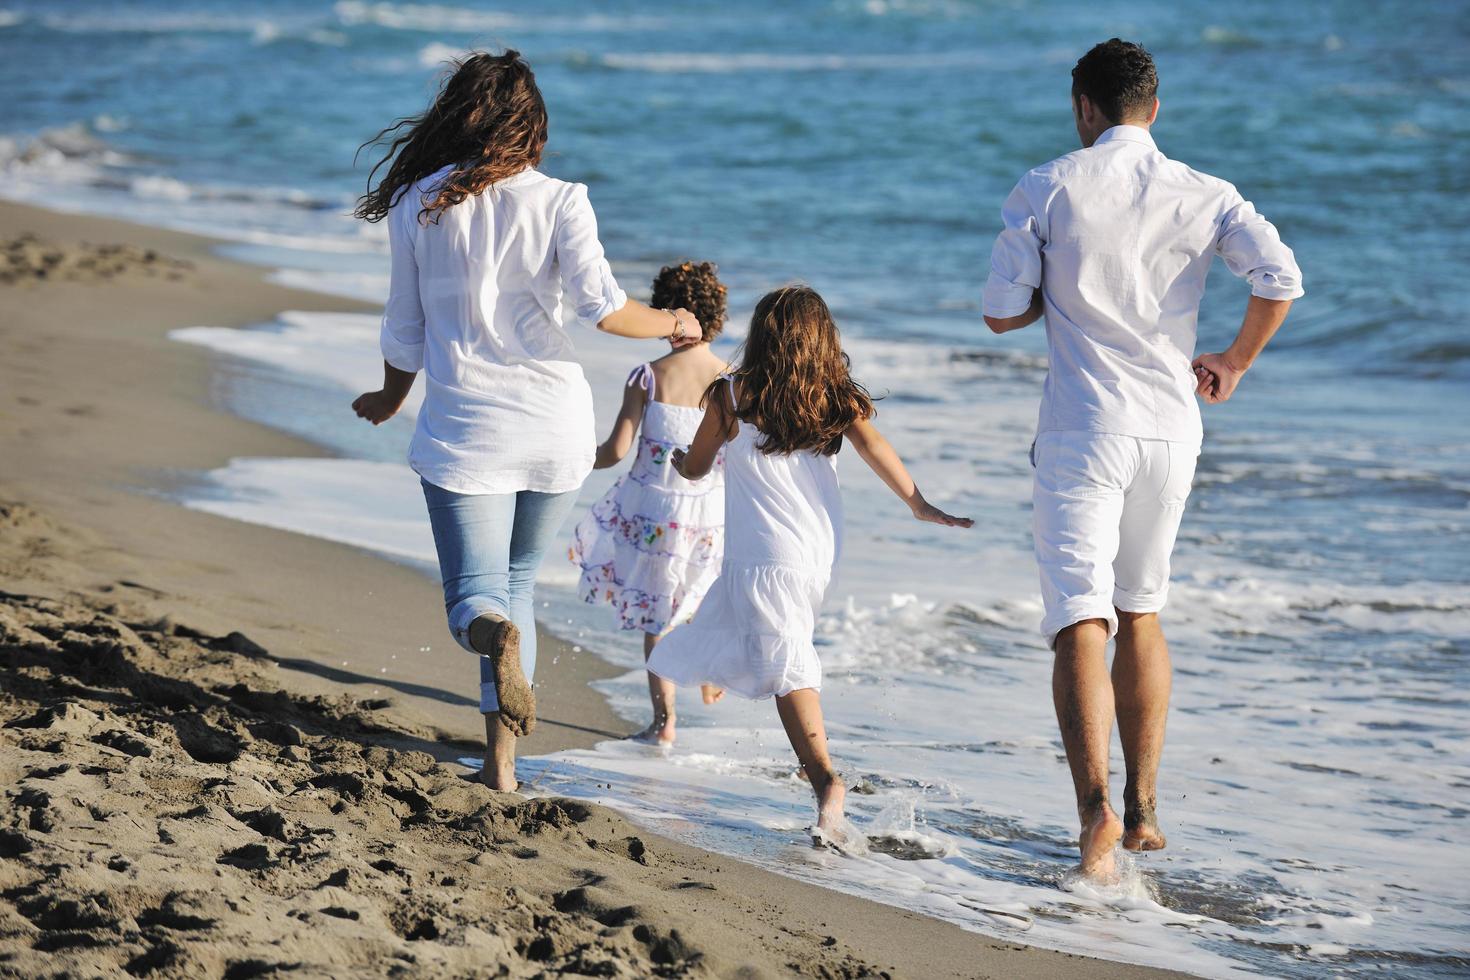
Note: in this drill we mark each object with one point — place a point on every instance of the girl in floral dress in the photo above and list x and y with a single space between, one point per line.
654 543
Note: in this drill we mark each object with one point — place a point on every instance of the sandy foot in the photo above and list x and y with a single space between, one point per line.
1143 832
711 693
499 640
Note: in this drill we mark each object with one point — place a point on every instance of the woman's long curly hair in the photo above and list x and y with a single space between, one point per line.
794 380
488 122
696 287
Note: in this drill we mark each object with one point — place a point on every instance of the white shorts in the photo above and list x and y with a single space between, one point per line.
1105 511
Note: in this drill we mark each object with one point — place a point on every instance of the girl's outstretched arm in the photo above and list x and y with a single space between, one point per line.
881 459
715 430
625 426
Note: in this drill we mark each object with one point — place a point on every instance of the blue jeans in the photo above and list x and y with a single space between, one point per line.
490 546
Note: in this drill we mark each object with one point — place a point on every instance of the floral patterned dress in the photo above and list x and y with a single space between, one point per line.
653 545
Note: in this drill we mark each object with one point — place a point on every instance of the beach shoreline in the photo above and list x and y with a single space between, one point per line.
100 414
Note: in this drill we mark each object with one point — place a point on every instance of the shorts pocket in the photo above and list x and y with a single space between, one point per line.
1178 474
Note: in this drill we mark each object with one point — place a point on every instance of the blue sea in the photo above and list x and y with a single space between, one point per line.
1316 784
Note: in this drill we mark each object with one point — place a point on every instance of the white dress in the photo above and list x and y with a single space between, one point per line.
753 633
651 547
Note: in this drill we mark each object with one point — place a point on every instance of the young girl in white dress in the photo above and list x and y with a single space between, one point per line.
779 420
652 546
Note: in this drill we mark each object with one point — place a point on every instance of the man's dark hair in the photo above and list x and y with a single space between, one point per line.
1119 77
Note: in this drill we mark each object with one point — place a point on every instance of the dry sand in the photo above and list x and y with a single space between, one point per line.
194 786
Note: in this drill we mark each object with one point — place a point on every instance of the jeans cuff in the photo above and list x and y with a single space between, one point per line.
489 700
466 611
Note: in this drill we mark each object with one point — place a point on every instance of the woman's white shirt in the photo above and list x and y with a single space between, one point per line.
475 302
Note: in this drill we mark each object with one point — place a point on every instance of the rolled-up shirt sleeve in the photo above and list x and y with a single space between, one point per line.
402 334
1253 250
585 274
1015 259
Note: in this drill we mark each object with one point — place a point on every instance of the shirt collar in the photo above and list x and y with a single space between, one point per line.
529 173
1127 134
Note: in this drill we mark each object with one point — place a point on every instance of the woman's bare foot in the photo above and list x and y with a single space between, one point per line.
499 770
658 732
711 693
499 778
1101 830
498 640
1142 833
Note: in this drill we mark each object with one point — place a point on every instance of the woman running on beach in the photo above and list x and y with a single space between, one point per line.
651 547
485 248
780 419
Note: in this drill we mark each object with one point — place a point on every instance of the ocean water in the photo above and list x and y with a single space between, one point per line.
1315 781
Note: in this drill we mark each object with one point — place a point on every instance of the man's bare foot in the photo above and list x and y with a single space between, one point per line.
1142 833
711 693
1101 830
657 733
498 640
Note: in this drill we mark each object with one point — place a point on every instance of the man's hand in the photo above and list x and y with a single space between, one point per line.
376 406
676 460
1216 377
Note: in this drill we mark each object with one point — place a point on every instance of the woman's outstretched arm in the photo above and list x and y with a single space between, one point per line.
883 460
625 426
635 320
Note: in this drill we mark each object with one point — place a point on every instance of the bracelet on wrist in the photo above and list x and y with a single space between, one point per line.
678 332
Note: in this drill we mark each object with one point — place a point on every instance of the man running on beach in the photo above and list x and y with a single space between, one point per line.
1111 243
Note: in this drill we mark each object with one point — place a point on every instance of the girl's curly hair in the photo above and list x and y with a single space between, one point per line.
488 122
696 287
795 385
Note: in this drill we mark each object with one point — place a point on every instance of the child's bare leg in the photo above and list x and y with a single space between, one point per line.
711 693
661 692
499 771
801 715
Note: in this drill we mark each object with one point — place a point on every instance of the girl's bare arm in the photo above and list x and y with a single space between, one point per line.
625 427
883 460
715 430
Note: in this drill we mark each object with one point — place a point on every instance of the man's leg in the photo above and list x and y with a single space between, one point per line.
1142 676
1076 505
1141 682
1083 696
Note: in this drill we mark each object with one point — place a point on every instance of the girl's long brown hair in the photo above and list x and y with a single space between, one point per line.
795 384
488 121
